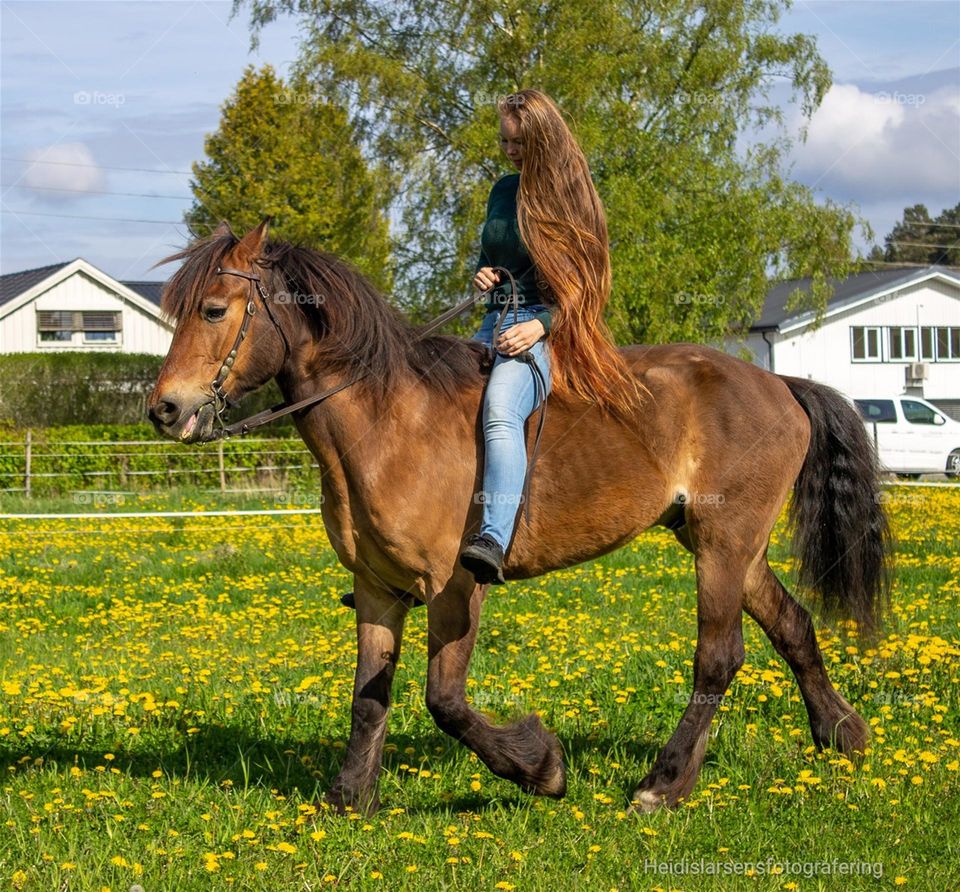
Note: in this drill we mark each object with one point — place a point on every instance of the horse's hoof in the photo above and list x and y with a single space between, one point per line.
646 802
556 785
342 805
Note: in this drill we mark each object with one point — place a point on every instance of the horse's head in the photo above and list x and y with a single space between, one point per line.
226 342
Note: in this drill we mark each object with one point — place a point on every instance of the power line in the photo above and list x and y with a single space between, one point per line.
928 223
923 245
98 166
83 217
92 191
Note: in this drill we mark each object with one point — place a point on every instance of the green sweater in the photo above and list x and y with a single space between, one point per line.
501 245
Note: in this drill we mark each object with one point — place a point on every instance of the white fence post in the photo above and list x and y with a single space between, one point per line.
28 456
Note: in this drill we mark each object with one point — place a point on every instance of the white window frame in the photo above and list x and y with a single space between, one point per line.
866 329
899 333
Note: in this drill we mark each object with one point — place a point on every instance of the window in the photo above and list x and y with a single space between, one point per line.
100 328
865 343
919 413
59 326
877 410
927 340
948 343
903 343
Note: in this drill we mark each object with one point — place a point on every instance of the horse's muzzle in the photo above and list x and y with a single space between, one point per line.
170 420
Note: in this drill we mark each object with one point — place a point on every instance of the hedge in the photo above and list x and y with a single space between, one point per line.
40 390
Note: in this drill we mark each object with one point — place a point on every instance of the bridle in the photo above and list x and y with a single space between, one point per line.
222 430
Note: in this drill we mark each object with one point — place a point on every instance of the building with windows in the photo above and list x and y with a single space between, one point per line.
883 334
75 306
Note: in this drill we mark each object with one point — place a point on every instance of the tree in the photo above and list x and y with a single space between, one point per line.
281 152
918 239
658 94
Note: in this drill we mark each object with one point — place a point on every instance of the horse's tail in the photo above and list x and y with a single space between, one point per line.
840 529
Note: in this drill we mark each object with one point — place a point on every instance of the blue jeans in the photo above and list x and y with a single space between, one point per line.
510 398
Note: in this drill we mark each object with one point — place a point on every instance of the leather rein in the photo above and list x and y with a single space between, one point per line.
220 400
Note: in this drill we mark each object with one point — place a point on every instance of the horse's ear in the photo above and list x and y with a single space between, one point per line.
253 241
223 229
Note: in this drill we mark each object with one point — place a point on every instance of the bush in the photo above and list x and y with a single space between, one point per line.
39 390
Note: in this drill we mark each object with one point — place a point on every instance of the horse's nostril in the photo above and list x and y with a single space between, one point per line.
165 412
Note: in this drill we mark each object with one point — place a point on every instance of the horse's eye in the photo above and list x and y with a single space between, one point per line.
214 314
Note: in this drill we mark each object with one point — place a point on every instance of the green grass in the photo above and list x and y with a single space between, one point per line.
174 699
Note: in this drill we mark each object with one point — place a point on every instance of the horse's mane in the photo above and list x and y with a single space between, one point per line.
357 329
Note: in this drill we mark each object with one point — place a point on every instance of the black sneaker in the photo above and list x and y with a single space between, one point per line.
483 557
348 600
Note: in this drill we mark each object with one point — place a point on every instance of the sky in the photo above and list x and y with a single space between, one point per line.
104 106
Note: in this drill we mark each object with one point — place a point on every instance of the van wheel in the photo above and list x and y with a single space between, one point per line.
953 463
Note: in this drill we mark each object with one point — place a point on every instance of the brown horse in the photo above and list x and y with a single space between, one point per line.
712 455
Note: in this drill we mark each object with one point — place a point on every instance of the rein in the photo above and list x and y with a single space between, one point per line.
224 431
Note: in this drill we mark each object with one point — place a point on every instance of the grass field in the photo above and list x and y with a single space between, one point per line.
174 697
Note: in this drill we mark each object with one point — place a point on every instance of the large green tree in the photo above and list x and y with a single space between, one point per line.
283 152
920 239
663 95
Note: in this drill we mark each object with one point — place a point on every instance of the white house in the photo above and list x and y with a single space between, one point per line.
75 306
883 333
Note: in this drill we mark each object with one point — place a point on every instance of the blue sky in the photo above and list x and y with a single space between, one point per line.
119 95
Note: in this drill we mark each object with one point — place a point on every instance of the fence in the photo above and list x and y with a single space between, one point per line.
33 467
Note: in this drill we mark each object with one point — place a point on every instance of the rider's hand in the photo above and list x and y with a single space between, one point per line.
486 278
520 337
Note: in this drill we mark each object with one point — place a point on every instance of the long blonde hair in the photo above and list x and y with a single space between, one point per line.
564 227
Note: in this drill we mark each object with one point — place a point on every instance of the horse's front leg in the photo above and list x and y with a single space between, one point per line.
380 616
523 752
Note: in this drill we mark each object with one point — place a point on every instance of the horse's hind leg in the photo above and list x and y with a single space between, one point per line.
833 721
523 752
718 657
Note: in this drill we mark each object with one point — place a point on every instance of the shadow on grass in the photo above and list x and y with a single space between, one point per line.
230 756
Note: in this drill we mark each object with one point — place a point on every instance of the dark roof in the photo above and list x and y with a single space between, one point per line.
859 285
150 290
14 284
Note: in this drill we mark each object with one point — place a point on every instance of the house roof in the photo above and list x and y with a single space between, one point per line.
14 284
150 290
19 289
854 288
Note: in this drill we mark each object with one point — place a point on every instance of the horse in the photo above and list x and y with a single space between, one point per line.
712 454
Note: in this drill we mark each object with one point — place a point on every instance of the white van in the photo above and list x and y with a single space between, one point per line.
912 436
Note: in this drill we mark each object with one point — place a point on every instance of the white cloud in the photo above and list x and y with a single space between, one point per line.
887 144
68 166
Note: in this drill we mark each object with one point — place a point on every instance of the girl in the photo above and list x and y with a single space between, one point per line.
547 226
